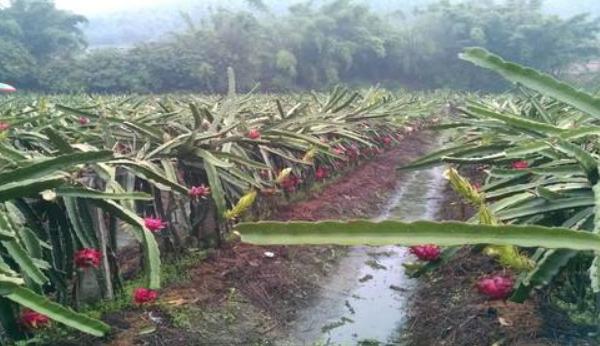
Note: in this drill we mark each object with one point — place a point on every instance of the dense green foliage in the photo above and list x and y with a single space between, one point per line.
79 172
313 47
539 151
34 34
554 127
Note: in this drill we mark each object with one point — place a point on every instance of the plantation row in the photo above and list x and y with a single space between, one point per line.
539 152
537 149
78 172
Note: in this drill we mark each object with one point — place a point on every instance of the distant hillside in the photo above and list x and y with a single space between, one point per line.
151 23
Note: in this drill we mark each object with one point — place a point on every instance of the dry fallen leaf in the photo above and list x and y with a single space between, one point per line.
504 322
148 330
178 302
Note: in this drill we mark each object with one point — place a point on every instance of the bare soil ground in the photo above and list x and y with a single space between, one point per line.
240 296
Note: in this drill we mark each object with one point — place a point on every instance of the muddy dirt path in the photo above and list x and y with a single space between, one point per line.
367 298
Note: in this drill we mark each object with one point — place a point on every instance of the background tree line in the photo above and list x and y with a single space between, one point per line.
307 47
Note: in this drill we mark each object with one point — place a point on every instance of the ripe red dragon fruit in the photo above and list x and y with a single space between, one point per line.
264 173
339 150
290 182
154 224
33 320
353 152
321 173
387 140
521 164
144 295
87 258
496 286
4 126
253 134
429 252
199 191
84 120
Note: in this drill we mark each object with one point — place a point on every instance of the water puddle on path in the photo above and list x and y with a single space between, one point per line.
366 301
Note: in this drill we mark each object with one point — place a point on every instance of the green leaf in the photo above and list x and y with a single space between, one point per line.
10 153
309 139
152 173
57 312
550 262
148 131
53 165
594 269
25 262
32 243
151 260
543 207
81 222
515 121
473 160
242 160
362 232
95 194
585 159
530 78
435 158
207 156
77 111
545 270
217 192
9 320
19 254
58 140
151 250
28 188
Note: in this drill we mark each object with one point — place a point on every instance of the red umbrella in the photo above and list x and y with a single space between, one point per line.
7 88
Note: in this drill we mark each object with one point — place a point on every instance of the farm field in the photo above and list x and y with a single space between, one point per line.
335 172
139 176
151 192
518 163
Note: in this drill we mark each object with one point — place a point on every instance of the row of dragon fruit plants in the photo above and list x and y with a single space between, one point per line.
537 152
78 172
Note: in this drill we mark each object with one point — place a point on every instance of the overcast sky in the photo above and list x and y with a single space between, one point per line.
93 6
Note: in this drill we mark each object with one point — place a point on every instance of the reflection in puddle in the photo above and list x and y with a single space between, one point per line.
366 300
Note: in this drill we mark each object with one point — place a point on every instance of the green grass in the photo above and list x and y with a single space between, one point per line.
175 271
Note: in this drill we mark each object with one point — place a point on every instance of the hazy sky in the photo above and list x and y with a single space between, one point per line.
95 6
